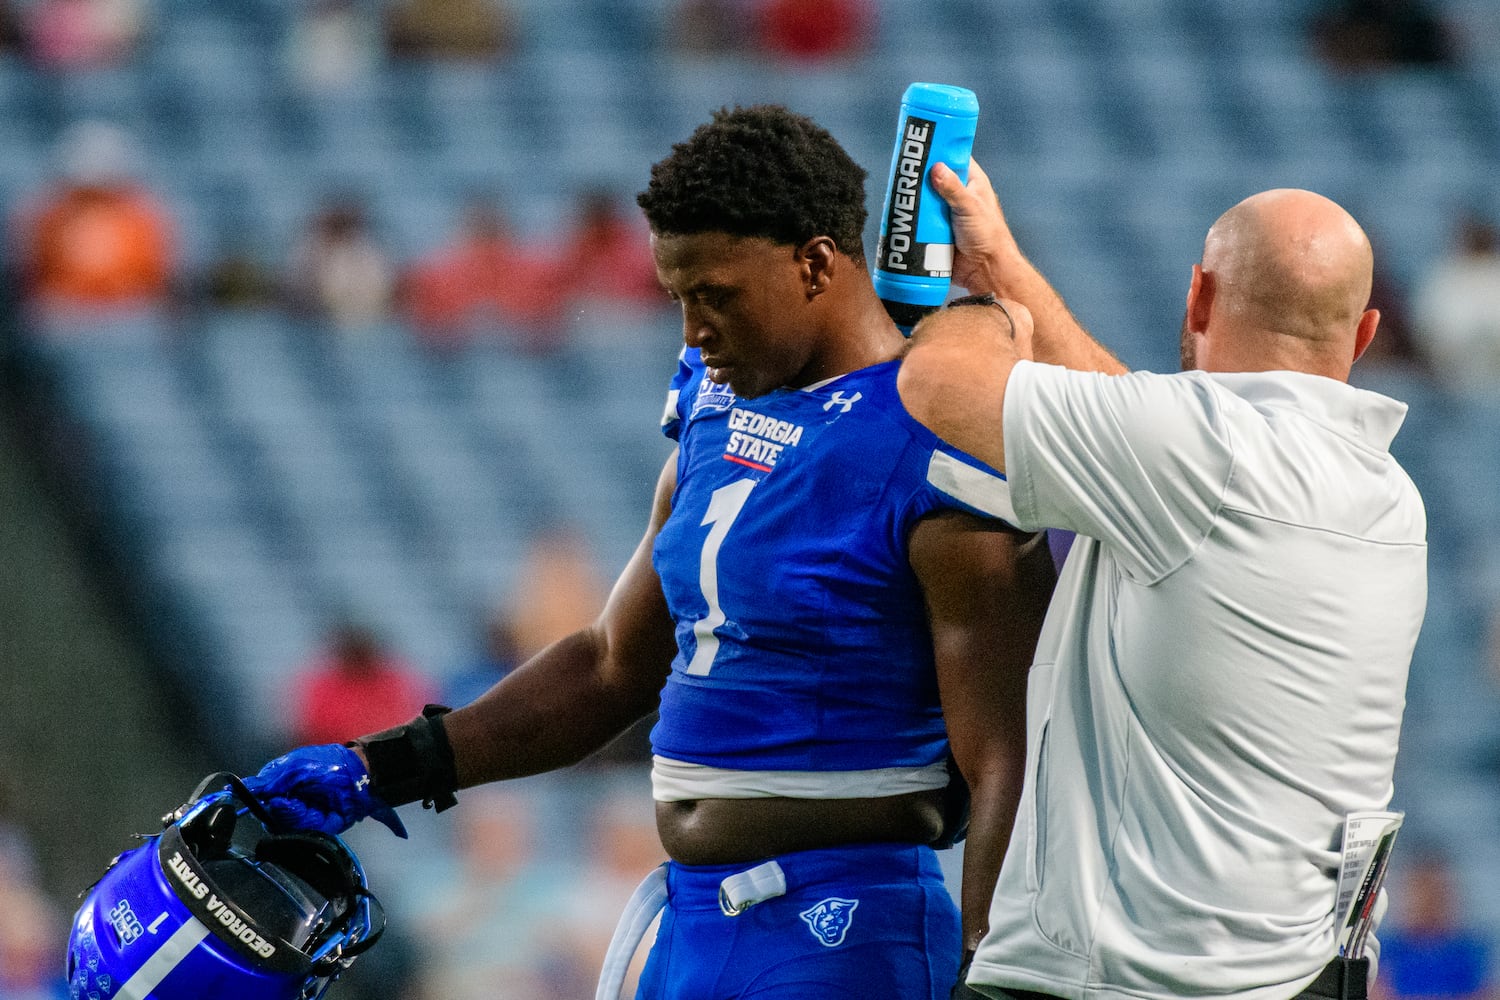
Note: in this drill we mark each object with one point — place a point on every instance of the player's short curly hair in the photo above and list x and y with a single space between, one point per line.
762 171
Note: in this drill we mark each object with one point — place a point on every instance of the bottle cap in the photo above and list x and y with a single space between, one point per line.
942 98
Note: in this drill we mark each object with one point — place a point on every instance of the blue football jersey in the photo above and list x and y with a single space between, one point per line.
802 634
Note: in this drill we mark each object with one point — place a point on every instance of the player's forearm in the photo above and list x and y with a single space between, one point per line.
553 711
992 817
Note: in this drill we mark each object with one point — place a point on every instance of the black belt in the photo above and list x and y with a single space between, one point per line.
1341 979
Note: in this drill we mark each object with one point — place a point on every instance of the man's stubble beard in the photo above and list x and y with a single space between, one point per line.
1186 350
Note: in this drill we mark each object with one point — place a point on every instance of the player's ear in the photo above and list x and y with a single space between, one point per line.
819 260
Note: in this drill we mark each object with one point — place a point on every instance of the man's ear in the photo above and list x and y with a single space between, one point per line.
1200 299
1365 331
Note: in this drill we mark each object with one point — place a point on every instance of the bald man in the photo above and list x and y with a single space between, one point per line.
1222 672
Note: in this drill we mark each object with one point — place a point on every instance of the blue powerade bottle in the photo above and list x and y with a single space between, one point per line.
914 263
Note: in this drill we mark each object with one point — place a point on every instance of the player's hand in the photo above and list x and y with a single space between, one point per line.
981 237
324 788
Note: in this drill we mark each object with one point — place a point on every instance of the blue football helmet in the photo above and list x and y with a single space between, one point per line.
218 906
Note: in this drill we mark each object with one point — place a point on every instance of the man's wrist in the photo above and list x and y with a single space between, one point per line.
985 274
985 299
412 763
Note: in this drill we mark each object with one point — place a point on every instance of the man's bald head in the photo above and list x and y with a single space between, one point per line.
1291 263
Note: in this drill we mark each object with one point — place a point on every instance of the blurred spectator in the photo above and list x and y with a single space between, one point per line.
486 283
449 29
239 280
623 847
1357 35
1489 757
488 925
1457 310
96 244
1492 645
812 32
608 256
76 35
30 929
30 926
355 686
709 27
331 44
17 861
11 36
1394 344
1474 30
1427 950
498 656
561 591
339 272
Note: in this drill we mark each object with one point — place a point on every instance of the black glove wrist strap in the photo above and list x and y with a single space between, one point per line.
414 762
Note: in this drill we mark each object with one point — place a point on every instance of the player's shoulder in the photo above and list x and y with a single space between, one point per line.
864 411
870 394
929 469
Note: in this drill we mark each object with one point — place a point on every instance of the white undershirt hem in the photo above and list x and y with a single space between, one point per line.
679 780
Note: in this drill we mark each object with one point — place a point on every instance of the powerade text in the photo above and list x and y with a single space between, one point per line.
906 193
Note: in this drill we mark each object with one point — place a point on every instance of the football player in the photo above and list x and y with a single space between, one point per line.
822 627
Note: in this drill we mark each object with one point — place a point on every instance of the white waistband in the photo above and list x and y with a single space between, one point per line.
678 780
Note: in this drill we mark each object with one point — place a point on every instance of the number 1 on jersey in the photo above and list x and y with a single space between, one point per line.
723 507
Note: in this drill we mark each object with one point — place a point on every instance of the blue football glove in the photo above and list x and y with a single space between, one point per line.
324 788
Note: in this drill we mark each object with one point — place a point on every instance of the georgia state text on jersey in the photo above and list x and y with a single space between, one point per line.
802 634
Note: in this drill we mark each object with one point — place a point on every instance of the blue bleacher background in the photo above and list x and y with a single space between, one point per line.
262 474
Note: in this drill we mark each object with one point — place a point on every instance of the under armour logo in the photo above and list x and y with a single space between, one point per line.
363 782
837 399
829 920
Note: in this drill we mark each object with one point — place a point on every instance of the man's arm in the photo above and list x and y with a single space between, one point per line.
582 691
956 369
990 260
987 590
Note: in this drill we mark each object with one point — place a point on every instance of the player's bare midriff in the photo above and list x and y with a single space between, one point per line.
730 831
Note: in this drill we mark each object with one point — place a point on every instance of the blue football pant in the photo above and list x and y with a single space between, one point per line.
867 922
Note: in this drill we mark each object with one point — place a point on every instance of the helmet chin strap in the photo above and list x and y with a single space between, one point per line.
220 781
